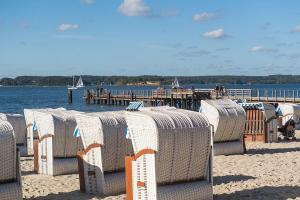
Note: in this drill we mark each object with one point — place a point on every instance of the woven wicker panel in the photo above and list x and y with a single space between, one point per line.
227 117
269 112
106 128
59 138
116 146
30 120
65 166
54 122
18 123
70 139
198 190
90 128
8 152
114 183
228 148
11 191
181 138
92 162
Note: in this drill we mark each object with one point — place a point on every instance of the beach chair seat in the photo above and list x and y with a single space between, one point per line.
57 147
192 190
114 182
172 155
102 165
10 174
17 121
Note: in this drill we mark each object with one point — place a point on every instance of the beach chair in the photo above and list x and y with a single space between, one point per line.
261 122
288 120
172 155
10 174
102 162
57 147
31 133
18 123
288 111
228 119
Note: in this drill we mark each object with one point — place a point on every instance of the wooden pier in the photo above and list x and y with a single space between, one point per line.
181 98
186 98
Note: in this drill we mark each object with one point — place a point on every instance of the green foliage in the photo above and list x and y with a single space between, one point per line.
163 80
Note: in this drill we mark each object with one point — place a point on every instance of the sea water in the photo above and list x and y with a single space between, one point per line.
15 99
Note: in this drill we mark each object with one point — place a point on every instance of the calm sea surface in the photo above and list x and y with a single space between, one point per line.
15 99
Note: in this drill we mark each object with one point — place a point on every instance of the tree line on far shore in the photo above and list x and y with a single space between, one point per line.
161 80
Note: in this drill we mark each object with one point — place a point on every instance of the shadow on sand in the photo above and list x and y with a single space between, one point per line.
272 193
218 180
272 151
26 173
74 195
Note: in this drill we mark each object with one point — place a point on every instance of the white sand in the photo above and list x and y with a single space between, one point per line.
267 171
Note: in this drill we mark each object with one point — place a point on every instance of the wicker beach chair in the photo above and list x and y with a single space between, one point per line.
261 122
18 123
228 119
57 147
31 133
288 120
101 163
289 111
10 174
172 155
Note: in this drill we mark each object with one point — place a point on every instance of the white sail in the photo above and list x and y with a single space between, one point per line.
80 83
175 84
73 87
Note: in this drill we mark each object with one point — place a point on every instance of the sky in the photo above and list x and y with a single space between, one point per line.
149 37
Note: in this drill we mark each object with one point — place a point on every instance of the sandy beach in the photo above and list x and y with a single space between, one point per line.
267 171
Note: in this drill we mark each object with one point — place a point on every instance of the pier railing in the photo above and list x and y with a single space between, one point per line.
264 95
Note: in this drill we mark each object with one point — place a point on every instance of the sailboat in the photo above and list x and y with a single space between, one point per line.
73 87
175 84
80 83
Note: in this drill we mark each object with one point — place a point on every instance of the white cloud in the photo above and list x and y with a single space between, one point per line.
262 49
134 8
216 34
65 27
201 17
297 29
88 2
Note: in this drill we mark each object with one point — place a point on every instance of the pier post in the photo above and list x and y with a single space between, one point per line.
293 96
193 103
131 96
182 103
70 96
98 95
109 98
88 96
275 95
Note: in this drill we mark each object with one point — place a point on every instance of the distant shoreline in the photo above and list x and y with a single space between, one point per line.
147 80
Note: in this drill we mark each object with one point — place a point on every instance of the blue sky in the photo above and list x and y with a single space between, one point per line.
136 37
